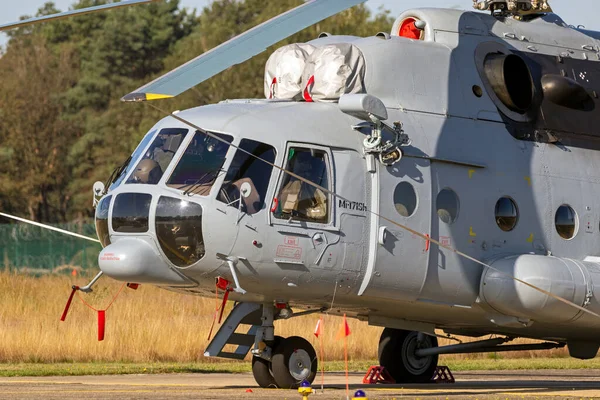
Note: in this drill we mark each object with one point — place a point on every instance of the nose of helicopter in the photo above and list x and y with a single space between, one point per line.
136 259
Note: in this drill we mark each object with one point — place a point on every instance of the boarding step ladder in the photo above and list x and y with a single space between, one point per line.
242 313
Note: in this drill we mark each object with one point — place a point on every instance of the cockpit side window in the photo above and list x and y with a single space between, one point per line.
248 170
121 172
298 200
157 158
201 164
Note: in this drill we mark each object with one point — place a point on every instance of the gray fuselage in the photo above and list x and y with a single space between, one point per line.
376 270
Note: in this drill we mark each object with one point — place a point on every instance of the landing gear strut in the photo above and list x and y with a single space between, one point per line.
277 362
397 350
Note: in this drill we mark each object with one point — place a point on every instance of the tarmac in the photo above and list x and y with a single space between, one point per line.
480 385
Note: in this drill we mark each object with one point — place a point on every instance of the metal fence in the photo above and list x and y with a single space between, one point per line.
36 250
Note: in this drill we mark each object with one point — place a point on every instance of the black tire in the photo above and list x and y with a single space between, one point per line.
294 360
261 369
396 354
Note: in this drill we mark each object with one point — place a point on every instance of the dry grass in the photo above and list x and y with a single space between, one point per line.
143 326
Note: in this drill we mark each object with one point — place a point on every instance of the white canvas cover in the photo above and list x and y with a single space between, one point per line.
284 71
332 71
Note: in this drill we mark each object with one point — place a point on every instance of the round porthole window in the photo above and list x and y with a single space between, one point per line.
447 206
507 214
405 199
566 222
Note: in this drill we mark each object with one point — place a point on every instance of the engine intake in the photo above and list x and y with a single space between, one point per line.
510 78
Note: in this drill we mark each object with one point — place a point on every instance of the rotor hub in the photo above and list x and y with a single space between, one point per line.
516 8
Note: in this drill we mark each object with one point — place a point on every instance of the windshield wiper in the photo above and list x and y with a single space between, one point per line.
116 174
201 181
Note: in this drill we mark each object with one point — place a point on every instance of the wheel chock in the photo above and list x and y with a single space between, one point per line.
442 374
377 374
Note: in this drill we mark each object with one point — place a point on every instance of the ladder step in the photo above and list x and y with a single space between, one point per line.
241 339
232 356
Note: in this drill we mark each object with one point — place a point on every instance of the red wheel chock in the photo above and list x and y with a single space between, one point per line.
442 374
377 374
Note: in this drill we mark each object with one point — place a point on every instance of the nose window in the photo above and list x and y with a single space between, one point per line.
157 158
131 212
179 230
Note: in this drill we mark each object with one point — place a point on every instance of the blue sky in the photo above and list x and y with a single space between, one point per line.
575 12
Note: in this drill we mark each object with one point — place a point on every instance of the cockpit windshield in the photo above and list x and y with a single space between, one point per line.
157 158
201 164
121 172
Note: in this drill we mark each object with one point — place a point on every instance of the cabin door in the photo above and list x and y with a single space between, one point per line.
398 260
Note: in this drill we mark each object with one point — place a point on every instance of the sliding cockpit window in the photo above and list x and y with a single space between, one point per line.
201 164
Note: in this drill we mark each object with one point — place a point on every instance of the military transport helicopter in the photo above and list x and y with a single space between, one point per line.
474 211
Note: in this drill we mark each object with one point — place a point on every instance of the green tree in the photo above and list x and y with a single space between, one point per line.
118 51
34 139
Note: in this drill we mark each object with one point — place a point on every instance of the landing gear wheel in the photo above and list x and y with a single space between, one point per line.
397 354
261 369
294 360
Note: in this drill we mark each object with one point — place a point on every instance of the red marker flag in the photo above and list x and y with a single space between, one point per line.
101 324
319 327
344 329
343 333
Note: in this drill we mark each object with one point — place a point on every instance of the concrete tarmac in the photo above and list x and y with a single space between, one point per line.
480 385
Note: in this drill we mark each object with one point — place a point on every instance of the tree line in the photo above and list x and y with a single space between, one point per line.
62 125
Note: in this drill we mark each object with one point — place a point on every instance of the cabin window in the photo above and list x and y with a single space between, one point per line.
201 164
566 222
299 200
507 214
248 168
405 199
447 206
150 169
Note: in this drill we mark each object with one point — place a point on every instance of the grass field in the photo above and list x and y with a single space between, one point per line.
155 327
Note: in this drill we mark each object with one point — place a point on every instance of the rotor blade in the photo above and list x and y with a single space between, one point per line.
72 13
77 235
239 49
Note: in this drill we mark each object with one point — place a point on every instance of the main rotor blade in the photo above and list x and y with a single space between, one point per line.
239 49
72 13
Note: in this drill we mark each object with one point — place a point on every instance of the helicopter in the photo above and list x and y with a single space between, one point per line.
440 177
